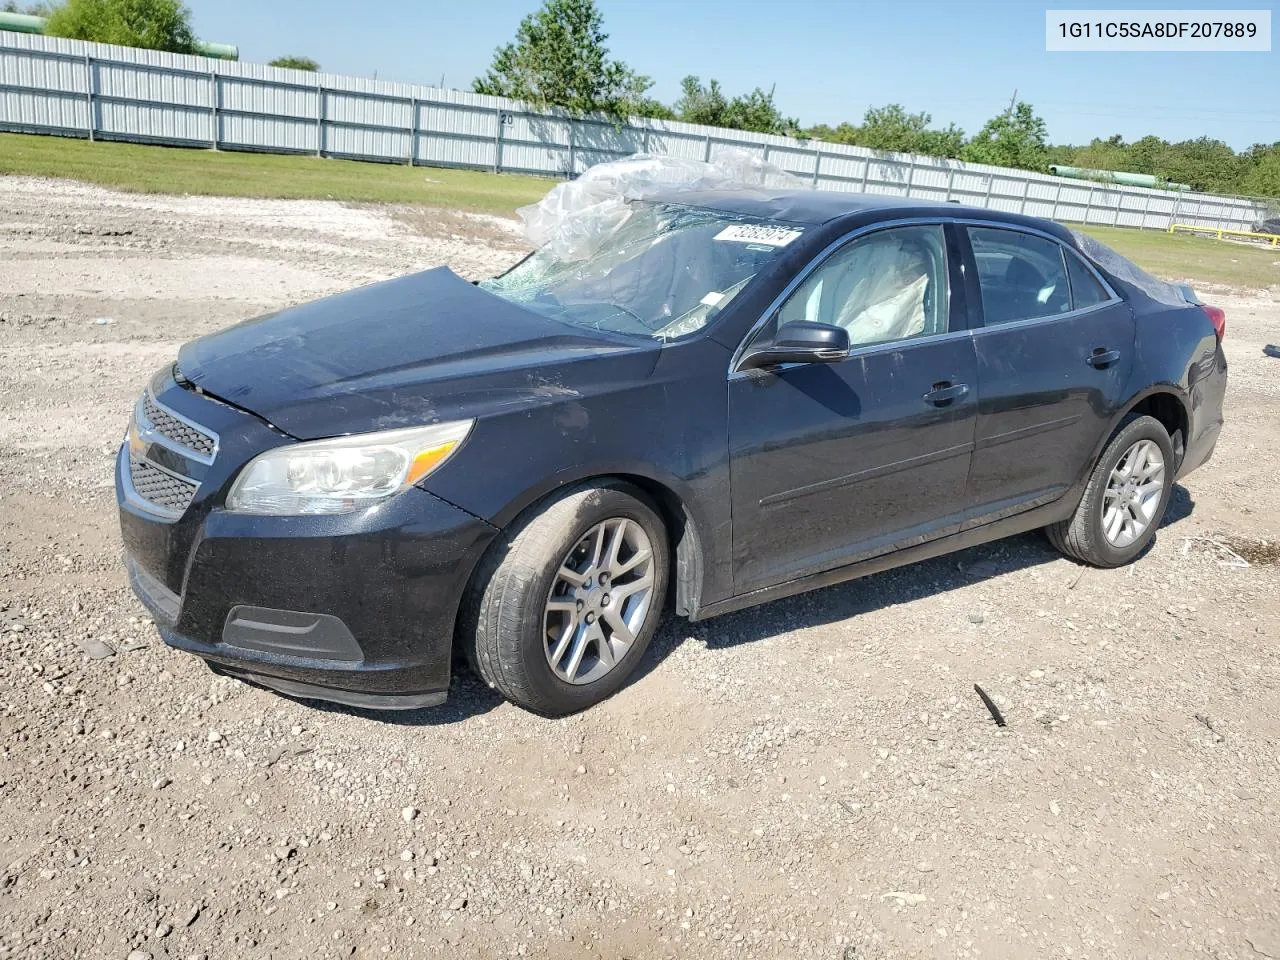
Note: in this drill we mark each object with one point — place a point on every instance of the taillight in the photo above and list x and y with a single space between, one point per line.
1218 317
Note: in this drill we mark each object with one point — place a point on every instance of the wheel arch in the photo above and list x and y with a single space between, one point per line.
1166 403
686 530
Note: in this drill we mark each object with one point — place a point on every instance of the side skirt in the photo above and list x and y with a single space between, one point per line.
1008 527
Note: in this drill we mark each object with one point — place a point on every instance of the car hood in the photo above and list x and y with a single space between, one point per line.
420 349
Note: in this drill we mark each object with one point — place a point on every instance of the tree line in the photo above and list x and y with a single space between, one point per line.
559 58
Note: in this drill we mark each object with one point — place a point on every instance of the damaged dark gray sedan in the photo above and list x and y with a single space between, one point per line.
732 397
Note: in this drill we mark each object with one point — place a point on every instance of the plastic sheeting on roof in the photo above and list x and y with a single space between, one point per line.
572 219
1128 271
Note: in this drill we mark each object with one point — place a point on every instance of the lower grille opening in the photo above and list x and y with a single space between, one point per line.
171 494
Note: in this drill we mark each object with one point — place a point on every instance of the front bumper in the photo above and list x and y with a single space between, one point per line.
357 608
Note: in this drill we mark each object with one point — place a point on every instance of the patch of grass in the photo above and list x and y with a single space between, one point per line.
174 170
1183 257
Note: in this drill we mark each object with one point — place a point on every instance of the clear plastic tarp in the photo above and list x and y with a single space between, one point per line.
574 217
662 270
1128 271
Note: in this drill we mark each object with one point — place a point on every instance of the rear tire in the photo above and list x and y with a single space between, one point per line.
565 604
1125 498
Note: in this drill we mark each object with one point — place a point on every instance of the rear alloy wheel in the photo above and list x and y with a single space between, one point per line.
565 604
1125 498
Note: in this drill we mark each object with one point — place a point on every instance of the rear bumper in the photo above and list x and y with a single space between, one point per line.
357 608
1205 417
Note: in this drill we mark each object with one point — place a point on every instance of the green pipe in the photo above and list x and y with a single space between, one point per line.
219 51
24 23
21 23
1116 176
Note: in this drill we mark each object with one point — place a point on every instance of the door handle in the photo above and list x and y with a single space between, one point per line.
944 392
1102 357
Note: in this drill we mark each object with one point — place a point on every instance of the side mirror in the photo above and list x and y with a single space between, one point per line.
800 342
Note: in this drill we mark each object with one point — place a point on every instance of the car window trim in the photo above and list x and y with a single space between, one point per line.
1112 297
819 259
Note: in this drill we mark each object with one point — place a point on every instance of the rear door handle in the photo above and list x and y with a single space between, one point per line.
1102 358
944 392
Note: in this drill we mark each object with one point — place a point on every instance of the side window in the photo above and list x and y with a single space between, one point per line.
888 285
1021 276
1086 291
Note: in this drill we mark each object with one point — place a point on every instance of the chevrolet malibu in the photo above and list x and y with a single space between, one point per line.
731 397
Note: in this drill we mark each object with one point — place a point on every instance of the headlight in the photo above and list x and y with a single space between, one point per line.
345 473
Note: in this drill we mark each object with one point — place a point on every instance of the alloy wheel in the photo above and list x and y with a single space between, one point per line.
599 599
1133 494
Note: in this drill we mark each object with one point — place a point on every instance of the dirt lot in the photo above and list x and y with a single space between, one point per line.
815 778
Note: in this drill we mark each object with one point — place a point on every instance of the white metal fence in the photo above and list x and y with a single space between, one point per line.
100 91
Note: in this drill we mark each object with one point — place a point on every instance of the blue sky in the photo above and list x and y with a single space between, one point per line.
960 60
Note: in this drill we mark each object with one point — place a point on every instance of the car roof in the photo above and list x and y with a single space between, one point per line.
813 207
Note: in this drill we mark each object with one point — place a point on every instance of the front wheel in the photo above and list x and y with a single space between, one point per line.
1125 498
564 606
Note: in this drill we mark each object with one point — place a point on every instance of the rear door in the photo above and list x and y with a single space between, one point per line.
1054 351
835 462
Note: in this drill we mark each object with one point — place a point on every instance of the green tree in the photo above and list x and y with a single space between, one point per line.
154 24
698 104
947 142
841 133
754 111
1014 138
295 63
1205 163
1145 155
1263 180
654 109
559 59
891 127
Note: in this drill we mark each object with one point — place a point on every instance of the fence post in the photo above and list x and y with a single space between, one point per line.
413 130
1115 221
817 165
1026 189
88 89
951 179
1056 197
497 140
866 172
991 182
1088 203
911 175
706 153
214 94
1177 202
1142 224
572 168
319 118
766 153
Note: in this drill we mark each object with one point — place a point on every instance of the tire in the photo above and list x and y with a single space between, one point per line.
1084 536
511 632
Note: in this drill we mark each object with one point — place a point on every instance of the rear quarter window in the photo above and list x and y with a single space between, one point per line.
1086 291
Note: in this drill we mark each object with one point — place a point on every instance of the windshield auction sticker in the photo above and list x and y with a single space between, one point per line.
750 233
1158 30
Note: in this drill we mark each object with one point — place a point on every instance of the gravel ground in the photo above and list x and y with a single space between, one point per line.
814 778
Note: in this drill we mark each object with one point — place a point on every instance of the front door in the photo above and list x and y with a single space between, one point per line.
1054 354
835 462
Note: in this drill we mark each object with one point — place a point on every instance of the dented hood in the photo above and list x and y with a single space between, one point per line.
419 349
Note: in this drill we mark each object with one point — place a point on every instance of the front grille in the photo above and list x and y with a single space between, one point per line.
180 432
165 453
172 494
